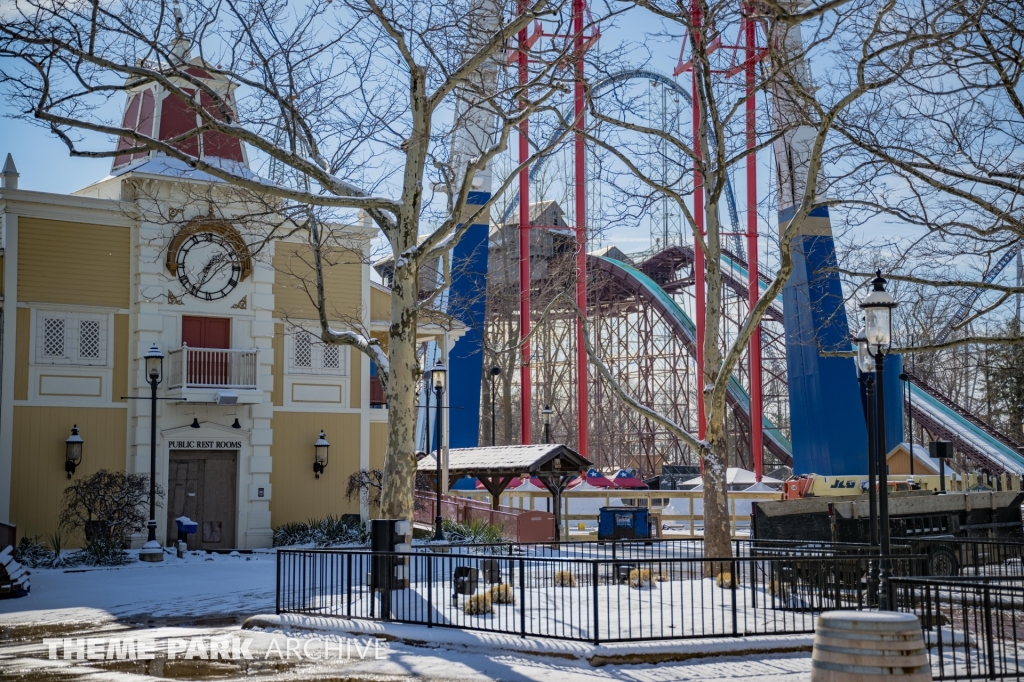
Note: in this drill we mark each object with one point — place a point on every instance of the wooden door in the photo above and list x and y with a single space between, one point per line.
207 333
201 486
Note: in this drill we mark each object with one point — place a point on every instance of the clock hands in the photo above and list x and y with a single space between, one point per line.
205 282
203 274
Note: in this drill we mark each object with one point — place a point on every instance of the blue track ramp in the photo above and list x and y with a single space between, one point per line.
684 327
825 404
467 302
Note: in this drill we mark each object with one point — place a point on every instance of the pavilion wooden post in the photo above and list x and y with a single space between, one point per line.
556 482
496 486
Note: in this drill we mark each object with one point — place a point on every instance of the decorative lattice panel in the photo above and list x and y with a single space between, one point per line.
89 339
53 337
303 350
332 357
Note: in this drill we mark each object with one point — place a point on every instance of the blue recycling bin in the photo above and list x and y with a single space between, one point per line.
624 523
186 527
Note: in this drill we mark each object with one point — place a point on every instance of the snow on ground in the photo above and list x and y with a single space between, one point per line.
157 601
197 585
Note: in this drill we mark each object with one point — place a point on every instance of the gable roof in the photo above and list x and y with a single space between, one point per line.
510 459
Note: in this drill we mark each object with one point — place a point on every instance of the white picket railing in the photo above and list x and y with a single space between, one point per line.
213 368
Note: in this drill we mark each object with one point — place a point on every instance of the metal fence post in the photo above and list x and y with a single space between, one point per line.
348 580
430 591
597 631
989 635
522 598
277 599
732 587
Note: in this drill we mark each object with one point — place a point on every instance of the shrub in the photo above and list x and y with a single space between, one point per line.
34 554
565 579
108 506
473 532
502 594
478 605
330 530
640 577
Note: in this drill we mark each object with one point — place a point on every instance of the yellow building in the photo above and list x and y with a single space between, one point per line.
156 253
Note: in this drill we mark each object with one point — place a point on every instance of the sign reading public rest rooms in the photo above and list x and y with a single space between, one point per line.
205 444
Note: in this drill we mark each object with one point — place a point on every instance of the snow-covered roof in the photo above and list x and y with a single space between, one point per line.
510 459
737 476
167 166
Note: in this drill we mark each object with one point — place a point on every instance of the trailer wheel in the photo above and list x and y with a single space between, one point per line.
942 562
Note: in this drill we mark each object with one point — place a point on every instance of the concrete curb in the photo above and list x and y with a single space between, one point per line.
624 653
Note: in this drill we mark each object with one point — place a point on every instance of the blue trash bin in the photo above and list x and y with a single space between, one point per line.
623 523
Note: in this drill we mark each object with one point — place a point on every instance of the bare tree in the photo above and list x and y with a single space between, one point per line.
937 155
394 110
801 131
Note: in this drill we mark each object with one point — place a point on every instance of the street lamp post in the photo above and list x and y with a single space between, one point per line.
495 373
866 369
152 551
877 307
438 376
546 413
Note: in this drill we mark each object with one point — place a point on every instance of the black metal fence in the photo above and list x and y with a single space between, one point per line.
625 598
951 557
973 627
659 548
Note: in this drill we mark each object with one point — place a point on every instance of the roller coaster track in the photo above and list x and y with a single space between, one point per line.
979 441
634 281
992 450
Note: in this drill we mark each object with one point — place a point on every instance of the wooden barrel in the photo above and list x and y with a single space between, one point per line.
868 646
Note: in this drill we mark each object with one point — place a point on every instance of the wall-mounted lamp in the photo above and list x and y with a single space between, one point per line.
320 463
73 451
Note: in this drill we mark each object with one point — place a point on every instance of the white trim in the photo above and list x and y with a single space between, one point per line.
70 208
72 338
289 402
317 351
364 385
9 225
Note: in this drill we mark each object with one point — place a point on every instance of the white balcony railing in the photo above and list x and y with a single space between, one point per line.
213 368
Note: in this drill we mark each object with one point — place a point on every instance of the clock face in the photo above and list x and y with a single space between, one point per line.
208 266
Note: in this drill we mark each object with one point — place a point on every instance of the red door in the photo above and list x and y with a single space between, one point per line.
207 367
206 332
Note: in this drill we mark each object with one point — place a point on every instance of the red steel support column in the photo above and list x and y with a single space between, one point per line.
698 217
578 10
753 285
526 434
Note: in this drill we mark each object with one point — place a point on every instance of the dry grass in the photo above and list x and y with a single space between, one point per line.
565 579
478 605
640 577
724 580
502 594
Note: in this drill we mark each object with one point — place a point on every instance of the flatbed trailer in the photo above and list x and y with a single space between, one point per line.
928 524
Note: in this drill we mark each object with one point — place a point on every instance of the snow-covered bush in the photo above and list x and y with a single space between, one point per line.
640 577
325 532
34 554
472 532
502 594
478 605
565 579
107 507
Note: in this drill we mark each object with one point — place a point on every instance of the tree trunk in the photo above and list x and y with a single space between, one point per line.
717 536
404 372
